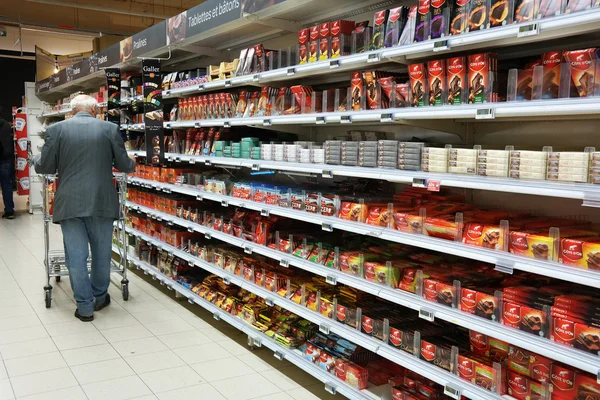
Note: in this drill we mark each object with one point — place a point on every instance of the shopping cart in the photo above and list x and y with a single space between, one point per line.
54 260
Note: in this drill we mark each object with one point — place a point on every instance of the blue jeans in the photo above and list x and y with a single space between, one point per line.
77 233
7 175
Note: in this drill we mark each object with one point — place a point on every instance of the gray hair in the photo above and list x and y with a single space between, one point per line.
83 102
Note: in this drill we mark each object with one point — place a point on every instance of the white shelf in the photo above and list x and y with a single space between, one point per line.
589 193
545 347
549 28
502 259
64 111
259 339
518 110
402 358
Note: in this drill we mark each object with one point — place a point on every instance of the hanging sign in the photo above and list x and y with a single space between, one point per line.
153 111
113 83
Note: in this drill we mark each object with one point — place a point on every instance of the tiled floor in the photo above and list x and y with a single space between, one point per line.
151 347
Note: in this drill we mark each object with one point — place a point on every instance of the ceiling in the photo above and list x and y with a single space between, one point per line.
116 17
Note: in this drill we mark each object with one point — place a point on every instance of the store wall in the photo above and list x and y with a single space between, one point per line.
17 71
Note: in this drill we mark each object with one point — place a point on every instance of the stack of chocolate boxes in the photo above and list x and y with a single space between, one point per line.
367 154
387 154
434 159
462 161
493 163
409 155
568 166
528 164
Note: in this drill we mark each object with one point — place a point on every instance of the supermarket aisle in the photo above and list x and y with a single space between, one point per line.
151 347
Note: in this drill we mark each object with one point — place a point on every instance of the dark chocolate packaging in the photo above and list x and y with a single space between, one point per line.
440 10
456 73
526 10
423 21
302 46
551 62
501 12
313 43
379 23
324 36
416 72
436 74
459 17
478 15
395 25
361 34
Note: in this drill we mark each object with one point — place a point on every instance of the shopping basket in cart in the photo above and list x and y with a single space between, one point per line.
54 260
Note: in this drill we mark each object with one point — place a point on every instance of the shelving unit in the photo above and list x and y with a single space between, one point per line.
255 338
545 347
327 325
588 193
500 259
487 124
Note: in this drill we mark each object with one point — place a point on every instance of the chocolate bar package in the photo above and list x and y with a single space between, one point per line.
341 33
526 10
481 75
550 8
529 364
436 78
396 22
441 11
313 43
324 46
585 70
303 36
578 5
379 24
422 24
501 13
408 33
418 87
479 302
456 73
370 83
362 32
478 15
459 17
356 90
551 62
524 85
522 388
488 346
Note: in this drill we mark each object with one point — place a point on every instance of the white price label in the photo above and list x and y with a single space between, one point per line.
324 329
264 213
227 124
269 302
284 263
197 125
267 122
374 57
199 197
208 163
256 78
255 167
330 388
226 280
192 161
529 30
485 113
207 235
227 83
332 280
387 117
217 316
426 315
279 356
334 64
291 71
452 392
201 87
224 203
327 227
321 120
248 249
327 174
346 119
441 45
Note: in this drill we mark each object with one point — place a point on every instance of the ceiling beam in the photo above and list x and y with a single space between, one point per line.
102 9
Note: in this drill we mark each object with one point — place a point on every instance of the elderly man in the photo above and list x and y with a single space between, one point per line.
83 151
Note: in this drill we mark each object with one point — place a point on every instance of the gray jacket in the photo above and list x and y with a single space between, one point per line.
83 150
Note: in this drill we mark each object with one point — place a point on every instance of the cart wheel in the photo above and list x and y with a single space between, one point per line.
125 289
57 279
48 298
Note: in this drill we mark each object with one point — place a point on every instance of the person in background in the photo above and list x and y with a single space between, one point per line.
83 151
7 166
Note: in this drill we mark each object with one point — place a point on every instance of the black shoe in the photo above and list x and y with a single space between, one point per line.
82 318
106 303
8 215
